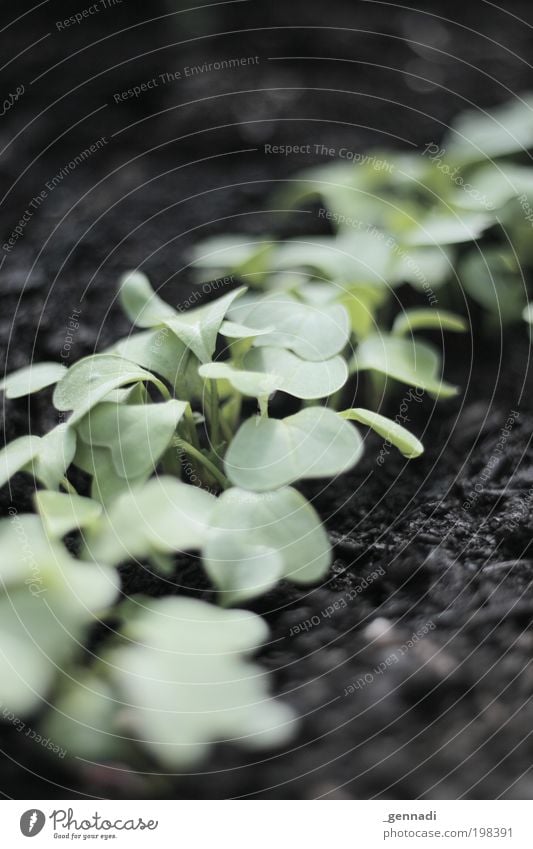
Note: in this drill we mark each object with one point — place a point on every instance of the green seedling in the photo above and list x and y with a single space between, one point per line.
48 603
177 678
198 428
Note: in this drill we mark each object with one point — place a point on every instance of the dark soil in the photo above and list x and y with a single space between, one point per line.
438 547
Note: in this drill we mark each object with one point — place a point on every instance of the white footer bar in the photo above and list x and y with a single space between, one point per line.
267 824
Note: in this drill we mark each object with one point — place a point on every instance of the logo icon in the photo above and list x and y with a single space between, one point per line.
32 822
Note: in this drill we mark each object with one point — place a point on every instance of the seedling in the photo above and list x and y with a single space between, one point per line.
197 429
400 217
138 418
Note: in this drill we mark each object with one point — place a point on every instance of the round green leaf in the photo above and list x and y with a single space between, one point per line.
270 453
234 330
414 363
136 435
236 255
164 515
476 134
49 602
362 302
185 681
253 383
448 229
348 258
89 380
313 332
159 351
422 267
257 538
62 512
494 280
301 378
82 719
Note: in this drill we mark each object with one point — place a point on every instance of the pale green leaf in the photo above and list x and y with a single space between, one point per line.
426 268
362 302
301 378
159 351
83 718
141 304
318 293
492 186
353 257
390 430
186 681
89 380
234 330
477 134
164 515
240 338
427 319
414 363
135 394
16 455
257 538
269 453
106 483
31 379
46 458
48 603
448 229
198 328
242 256
56 452
494 280
61 512
313 332
253 383
136 435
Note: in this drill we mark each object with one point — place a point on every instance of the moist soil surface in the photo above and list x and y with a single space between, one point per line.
410 667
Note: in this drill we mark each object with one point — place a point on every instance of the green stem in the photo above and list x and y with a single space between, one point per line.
163 389
336 399
67 486
378 383
191 427
263 406
197 455
212 414
226 430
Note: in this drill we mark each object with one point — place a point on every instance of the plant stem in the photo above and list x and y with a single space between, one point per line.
164 391
226 430
212 414
191 427
335 400
68 487
196 454
263 406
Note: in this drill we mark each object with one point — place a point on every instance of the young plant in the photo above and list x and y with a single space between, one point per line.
418 218
158 424
194 433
